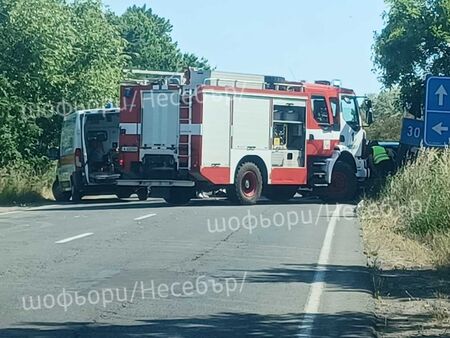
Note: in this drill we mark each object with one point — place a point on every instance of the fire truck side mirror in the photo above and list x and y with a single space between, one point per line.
370 119
369 112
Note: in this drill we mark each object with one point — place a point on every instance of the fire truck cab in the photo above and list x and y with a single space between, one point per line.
253 135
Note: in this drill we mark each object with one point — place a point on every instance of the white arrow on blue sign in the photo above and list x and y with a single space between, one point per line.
437 112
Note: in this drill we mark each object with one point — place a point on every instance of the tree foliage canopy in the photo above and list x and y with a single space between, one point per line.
58 56
414 43
388 116
149 42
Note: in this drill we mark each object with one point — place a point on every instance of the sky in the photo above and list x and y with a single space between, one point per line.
298 39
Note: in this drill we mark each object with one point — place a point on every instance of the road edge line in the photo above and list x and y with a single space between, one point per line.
317 286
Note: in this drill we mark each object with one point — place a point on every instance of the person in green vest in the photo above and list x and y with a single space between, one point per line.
382 165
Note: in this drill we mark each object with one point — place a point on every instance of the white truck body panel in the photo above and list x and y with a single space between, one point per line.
236 125
216 130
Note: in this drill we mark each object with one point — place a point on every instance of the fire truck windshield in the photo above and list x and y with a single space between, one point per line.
350 111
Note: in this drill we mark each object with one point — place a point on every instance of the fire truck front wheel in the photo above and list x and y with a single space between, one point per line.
248 184
344 184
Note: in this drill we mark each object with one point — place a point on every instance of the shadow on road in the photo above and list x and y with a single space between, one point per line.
346 324
115 204
337 277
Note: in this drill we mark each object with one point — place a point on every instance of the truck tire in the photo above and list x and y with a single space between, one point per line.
248 184
142 194
280 193
179 196
58 194
344 184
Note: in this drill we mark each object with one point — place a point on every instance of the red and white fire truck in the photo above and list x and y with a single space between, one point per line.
253 135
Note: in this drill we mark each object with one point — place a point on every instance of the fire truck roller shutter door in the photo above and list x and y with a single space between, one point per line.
251 118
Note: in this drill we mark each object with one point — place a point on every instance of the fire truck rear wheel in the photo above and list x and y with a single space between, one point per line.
280 193
180 196
344 184
142 194
248 183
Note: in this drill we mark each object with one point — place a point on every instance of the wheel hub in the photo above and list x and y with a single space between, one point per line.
249 184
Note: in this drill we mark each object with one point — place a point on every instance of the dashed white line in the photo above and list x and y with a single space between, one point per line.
70 239
313 304
144 217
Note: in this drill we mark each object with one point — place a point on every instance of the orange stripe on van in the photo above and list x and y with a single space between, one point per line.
67 160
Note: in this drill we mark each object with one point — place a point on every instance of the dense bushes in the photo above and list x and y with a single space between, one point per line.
55 56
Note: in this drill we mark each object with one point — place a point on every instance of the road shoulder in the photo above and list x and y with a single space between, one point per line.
411 295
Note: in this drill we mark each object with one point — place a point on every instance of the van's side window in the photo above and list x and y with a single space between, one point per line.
67 136
320 110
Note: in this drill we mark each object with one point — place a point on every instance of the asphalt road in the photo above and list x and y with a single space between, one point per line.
109 268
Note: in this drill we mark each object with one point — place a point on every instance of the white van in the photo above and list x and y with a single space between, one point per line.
88 157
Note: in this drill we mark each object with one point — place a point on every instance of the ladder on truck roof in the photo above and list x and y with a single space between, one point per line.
147 77
242 80
185 140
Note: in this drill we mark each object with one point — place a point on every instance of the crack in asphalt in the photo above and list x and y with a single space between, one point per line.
207 251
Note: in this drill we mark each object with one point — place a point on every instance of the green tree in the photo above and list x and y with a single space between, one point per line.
415 42
59 56
34 39
149 42
191 60
150 45
52 52
388 113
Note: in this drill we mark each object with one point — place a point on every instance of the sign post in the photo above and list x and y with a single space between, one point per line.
437 112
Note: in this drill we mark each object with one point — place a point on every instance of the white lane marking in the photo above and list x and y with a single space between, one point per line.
313 304
70 239
144 217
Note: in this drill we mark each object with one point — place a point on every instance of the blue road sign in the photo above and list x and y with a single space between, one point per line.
437 112
412 132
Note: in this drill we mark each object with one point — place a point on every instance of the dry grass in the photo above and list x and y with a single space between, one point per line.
384 244
407 236
412 214
21 184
